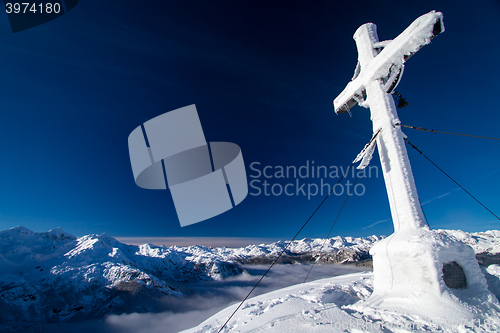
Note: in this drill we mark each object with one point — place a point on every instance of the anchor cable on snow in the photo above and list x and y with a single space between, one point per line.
364 163
286 247
334 222
473 197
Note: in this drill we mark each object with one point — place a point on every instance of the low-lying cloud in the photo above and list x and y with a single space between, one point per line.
209 297
200 301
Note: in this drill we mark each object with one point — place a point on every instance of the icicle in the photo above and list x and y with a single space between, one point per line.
368 156
365 156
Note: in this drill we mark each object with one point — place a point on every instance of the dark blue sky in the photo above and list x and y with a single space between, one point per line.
262 75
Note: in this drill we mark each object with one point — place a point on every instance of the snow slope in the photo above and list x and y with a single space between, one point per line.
480 241
328 305
341 304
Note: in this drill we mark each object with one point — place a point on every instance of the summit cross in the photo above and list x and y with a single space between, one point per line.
414 262
379 69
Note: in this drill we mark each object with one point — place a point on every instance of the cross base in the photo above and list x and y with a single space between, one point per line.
423 268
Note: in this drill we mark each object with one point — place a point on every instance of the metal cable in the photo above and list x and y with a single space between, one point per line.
283 251
324 242
473 197
431 130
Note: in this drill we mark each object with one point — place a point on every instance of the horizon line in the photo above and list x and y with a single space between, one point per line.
183 241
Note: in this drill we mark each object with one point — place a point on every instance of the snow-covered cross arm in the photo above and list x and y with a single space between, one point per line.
384 61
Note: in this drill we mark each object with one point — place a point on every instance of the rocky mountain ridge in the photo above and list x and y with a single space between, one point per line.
54 276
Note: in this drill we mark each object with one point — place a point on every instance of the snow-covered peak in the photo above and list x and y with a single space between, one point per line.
488 241
16 231
22 248
298 247
58 233
94 246
20 231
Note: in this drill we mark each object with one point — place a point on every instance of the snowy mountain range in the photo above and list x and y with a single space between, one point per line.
56 277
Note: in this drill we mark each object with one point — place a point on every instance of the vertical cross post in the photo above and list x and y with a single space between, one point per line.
403 198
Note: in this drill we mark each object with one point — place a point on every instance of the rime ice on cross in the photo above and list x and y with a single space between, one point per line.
414 262
380 66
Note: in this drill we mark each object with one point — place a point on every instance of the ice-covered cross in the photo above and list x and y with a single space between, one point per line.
379 69
416 265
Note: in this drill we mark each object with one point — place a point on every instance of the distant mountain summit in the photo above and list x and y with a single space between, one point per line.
54 276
